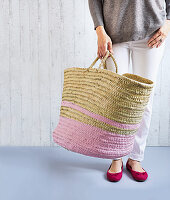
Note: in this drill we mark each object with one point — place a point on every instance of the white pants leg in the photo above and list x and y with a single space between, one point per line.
145 62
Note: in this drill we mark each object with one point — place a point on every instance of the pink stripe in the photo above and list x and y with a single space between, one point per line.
90 140
99 117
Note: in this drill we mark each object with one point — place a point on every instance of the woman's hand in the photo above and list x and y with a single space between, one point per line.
104 42
157 39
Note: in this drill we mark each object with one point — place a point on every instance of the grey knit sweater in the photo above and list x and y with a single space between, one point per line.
129 20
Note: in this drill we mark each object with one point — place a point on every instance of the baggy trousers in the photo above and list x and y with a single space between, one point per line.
145 62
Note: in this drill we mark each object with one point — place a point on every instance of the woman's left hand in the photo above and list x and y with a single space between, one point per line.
157 39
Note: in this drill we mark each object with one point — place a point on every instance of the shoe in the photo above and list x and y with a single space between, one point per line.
114 177
138 176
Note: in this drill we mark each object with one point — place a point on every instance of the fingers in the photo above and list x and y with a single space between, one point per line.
103 49
110 47
151 40
156 40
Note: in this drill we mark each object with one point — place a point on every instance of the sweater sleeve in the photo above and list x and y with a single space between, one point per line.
167 9
96 11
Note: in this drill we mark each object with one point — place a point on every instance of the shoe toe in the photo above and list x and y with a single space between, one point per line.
140 176
114 176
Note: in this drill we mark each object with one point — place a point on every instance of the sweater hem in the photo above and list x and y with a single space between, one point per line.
138 36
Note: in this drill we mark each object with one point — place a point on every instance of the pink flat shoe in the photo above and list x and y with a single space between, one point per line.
138 176
114 177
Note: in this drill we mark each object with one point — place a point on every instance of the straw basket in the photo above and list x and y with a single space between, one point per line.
101 110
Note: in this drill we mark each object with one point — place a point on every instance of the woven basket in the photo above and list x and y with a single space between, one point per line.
101 110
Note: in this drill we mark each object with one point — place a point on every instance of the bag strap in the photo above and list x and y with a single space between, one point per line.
103 61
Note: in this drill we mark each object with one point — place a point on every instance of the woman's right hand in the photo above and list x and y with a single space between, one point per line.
104 42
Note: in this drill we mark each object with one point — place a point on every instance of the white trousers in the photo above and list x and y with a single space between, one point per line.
145 61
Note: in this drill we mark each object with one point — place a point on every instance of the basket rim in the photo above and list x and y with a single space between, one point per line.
149 85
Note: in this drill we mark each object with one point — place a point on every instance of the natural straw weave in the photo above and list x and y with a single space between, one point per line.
101 110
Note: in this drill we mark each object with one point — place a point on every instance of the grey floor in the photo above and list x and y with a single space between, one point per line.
44 173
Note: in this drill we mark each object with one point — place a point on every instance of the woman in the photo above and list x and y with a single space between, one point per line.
137 30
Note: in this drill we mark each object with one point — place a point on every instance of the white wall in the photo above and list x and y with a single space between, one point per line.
38 40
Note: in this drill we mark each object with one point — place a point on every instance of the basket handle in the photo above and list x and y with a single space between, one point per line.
103 61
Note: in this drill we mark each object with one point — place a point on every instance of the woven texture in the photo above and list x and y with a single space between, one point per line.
101 110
